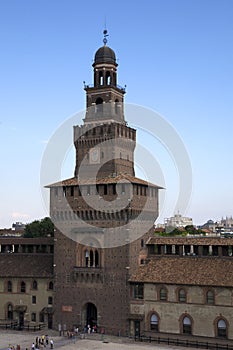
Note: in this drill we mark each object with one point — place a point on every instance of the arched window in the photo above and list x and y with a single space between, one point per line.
154 323
34 284
9 286
86 257
187 325
96 258
222 329
23 287
50 285
108 78
9 312
91 258
182 296
163 294
210 297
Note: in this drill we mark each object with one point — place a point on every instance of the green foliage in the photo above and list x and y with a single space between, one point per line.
175 231
42 228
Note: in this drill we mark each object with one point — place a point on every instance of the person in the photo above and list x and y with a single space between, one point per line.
33 346
47 339
51 344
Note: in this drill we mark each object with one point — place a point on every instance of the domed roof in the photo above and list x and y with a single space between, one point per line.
105 55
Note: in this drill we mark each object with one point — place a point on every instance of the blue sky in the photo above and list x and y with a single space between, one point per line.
175 56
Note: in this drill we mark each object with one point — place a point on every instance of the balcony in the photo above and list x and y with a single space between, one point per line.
88 274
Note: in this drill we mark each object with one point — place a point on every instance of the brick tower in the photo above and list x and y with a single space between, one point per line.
103 214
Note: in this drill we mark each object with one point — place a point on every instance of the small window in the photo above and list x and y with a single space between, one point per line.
182 296
10 312
9 286
50 300
163 294
64 191
34 285
33 299
33 317
50 285
41 317
23 287
142 243
72 191
105 189
154 323
210 297
138 291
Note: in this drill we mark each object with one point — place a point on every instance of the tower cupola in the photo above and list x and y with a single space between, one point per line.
105 98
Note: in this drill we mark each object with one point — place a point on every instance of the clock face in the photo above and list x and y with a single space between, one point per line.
94 155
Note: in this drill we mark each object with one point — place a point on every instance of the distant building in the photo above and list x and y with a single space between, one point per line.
177 221
18 226
224 225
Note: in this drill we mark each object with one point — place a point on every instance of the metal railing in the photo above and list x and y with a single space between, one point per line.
185 342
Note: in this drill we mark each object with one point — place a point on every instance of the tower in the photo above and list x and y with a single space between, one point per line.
103 214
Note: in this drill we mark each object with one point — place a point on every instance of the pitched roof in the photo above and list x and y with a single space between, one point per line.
26 265
121 178
206 271
198 240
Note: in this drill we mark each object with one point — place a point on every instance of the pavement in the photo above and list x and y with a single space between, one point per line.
9 338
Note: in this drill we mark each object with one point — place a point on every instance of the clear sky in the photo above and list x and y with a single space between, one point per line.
175 56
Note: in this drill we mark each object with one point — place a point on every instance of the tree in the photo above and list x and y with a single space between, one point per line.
39 228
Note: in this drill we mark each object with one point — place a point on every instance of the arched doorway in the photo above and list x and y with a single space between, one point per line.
90 315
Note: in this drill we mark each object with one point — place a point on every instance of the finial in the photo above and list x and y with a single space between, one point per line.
105 32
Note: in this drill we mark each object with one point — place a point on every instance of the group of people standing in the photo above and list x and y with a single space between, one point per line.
42 342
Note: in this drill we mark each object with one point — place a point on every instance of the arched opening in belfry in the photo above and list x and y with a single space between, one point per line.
108 78
101 78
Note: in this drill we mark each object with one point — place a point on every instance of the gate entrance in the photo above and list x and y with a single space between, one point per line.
91 315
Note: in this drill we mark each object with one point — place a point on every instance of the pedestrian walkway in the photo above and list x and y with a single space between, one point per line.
87 342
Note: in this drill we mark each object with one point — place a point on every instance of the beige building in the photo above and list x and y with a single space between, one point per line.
26 281
184 287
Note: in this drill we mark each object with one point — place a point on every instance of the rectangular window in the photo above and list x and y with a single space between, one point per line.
72 191
33 317
9 286
50 300
33 299
64 191
138 291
